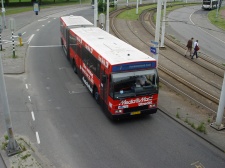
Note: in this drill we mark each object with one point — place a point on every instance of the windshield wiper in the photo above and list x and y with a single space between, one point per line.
127 95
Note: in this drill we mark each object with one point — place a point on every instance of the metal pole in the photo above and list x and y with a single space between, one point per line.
107 17
163 24
3 14
103 6
95 13
217 10
221 106
1 41
137 7
14 55
1 29
12 147
157 29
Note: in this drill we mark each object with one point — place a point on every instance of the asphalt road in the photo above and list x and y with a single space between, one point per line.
74 132
72 129
192 21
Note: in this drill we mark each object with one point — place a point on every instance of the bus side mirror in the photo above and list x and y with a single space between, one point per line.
104 78
157 79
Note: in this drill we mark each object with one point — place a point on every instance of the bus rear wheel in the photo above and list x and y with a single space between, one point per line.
74 66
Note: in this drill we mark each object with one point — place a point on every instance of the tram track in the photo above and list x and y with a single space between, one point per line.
207 62
192 89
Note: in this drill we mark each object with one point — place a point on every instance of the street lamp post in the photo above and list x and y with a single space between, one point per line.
95 12
107 17
157 28
163 24
3 14
12 146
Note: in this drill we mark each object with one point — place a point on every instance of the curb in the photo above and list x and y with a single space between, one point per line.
163 110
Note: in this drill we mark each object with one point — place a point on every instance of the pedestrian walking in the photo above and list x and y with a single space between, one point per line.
189 46
196 48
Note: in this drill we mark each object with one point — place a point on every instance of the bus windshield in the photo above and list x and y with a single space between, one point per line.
206 2
131 84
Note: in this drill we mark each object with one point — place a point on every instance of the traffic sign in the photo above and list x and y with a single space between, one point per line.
12 24
153 50
154 42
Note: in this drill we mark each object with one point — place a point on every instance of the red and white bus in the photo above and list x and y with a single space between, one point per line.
122 79
67 23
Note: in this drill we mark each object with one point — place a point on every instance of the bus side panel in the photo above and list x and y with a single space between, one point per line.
63 36
104 90
67 44
78 60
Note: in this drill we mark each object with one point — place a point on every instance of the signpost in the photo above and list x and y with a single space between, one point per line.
12 26
154 42
102 21
36 7
153 50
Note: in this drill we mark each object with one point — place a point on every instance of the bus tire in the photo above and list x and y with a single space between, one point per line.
96 94
74 66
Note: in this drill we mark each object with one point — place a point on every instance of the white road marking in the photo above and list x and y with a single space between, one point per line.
29 98
32 114
38 139
38 29
47 46
26 86
205 31
43 25
28 41
43 19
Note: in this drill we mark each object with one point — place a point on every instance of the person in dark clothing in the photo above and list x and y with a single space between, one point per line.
196 48
189 46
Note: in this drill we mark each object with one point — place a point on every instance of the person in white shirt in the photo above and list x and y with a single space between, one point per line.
142 81
196 48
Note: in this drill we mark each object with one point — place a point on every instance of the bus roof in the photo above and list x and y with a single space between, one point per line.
112 49
75 21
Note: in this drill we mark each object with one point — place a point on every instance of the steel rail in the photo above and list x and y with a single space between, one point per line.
179 79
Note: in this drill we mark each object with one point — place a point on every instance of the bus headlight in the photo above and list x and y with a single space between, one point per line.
119 111
152 105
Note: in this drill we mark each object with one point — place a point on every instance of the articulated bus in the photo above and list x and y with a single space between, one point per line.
67 23
122 79
209 4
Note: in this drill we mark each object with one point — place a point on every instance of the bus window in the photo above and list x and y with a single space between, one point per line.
125 84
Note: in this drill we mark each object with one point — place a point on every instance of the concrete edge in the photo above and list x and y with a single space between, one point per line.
191 129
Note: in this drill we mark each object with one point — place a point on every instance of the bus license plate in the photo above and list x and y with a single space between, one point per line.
135 113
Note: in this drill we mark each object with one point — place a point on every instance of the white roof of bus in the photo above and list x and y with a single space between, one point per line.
114 50
76 21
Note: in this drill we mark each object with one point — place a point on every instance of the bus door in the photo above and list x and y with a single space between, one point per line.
104 89
68 43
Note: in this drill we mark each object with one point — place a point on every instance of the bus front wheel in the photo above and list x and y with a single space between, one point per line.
96 94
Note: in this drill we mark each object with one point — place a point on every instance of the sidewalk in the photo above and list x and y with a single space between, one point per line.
169 102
